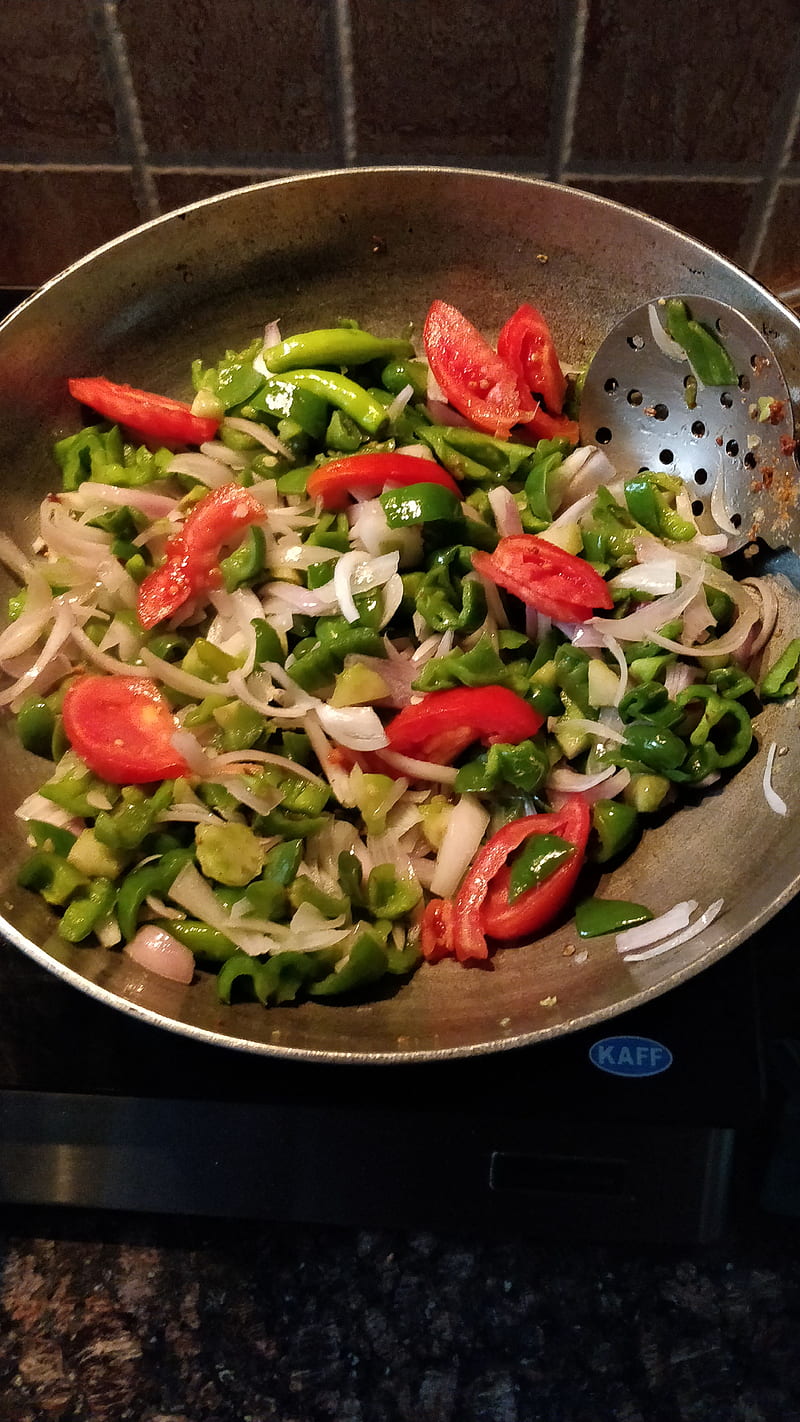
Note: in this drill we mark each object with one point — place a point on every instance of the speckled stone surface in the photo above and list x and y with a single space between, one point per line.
106 1319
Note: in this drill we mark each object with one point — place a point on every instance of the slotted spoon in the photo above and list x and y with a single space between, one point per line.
638 403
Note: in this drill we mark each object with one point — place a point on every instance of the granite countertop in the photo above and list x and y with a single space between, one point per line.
108 1318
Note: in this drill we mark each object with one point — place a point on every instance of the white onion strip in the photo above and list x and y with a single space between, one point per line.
261 434
466 827
59 632
235 759
565 779
684 936
420 769
656 928
771 796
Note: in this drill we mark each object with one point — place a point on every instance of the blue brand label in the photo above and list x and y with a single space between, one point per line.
630 1056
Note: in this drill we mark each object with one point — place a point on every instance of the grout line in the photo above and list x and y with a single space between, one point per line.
103 14
630 173
780 144
566 83
344 83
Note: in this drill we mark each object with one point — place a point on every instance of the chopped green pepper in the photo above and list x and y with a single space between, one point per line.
781 680
595 917
704 351
614 824
539 857
337 346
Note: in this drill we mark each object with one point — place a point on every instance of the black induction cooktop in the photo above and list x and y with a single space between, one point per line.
638 1129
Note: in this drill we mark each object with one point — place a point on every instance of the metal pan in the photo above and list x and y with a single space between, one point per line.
378 244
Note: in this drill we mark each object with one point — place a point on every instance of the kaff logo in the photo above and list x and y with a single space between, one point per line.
630 1056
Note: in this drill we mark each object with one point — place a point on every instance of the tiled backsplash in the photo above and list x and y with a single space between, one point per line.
112 111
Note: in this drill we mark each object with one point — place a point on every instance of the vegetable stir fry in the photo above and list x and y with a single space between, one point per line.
355 661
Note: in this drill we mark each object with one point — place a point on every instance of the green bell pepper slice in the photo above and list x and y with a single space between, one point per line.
388 896
87 908
614 824
648 498
50 875
418 503
340 345
725 725
245 563
280 400
524 766
344 394
595 917
399 373
539 857
134 817
155 878
781 680
704 350
650 702
366 963
36 722
209 944
50 837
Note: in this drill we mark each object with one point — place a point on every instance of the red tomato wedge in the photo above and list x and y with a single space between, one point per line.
526 345
476 380
191 565
123 728
459 927
364 476
444 723
563 587
156 417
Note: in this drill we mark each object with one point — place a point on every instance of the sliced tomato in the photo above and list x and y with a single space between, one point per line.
538 906
156 417
544 426
526 345
122 727
481 908
563 587
476 380
444 723
363 476
191 566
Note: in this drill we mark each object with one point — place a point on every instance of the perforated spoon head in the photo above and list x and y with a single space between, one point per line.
640 405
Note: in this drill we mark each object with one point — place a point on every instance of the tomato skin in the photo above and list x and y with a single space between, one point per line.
122 727
436 928
370 474
191 565
543 576
156 417
526 345
476 380
444 723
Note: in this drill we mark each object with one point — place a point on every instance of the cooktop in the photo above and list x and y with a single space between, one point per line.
641 1128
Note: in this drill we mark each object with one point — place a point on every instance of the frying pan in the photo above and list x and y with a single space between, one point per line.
379 244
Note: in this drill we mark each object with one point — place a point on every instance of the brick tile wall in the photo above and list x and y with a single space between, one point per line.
112 111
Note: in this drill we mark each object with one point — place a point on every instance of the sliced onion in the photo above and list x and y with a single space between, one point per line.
272 337
663 340
171 675
719 512
313 602
89 494
506 514
420 769
261 434
399 402
771 796
258 691
215 449
338 779
39 609
692 931
108 933
466 827
494 602
603 731
210 472
658 578
643 622
192 892
609 789
188 815
679 677
160 953
188 746
697 619
656 928
594 472
355 572
567 780
359 728
38 807
63 625
768 597
393 594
